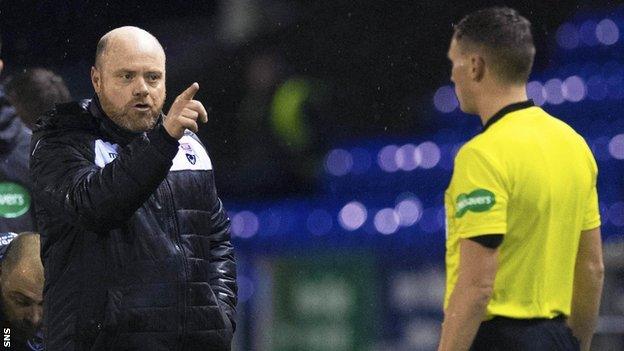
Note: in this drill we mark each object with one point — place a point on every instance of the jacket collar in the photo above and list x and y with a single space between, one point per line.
507 110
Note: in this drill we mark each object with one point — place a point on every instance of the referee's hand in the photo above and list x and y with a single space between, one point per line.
184 113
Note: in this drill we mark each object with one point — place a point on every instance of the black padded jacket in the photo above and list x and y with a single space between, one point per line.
135 242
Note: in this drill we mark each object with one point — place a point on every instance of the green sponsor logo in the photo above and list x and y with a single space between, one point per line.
479 200
14 200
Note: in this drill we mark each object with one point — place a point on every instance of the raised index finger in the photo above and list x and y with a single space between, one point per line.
189 93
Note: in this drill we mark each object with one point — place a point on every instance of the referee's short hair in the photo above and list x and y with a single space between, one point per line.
505 36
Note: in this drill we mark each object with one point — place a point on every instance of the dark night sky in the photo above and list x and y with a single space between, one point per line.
399 47
380 55
380 59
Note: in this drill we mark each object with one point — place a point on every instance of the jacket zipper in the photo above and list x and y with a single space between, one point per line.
173 222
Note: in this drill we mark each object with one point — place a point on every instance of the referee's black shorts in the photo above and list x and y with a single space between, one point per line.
508 334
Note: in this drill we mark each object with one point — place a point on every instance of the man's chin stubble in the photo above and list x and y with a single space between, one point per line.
136 124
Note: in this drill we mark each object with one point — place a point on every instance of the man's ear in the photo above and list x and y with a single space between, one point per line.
96 79
477 67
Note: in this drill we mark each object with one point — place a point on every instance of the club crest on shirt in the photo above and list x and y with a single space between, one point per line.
188 151
36 345
191 158
191 155
479 200
36 342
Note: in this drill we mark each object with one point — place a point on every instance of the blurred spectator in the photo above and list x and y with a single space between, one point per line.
303 126
35 91
21 288
279 134
15 201
30 92
258 164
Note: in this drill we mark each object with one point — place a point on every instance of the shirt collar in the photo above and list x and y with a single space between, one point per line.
507 110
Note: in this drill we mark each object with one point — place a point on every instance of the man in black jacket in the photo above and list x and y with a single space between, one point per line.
135 241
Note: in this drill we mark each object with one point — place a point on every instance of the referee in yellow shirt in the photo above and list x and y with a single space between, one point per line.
524 256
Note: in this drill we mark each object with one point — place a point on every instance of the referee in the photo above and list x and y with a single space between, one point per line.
524 257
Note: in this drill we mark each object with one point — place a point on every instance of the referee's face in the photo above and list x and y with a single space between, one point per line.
461 76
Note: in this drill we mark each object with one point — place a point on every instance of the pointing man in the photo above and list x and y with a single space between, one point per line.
135 241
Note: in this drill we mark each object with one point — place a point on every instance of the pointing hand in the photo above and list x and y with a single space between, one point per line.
184 113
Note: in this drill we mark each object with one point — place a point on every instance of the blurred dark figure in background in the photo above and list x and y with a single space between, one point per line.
16 212
21 288
31 92
302 125
258 162
34 91
135 240
280 132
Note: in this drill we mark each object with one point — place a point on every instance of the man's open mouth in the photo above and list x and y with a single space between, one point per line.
142 107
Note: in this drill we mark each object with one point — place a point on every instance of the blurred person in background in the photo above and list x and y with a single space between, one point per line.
16 212
524 256
278 147
301 125
21 288
31 92
281 129
34 91
260 167
135 240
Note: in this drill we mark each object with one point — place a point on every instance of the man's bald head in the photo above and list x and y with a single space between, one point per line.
23 252
129 78
121 36
21 285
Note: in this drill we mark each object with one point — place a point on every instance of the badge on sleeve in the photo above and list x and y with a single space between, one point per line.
190 154
479 200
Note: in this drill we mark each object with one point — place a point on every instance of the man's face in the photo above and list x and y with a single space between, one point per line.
130 83
21 290
461 76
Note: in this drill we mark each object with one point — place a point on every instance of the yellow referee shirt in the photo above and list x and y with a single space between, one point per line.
532 178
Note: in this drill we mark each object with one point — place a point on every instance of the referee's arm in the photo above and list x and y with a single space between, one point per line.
468 301
588 279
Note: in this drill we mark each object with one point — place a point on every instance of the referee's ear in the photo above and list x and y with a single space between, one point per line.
477 69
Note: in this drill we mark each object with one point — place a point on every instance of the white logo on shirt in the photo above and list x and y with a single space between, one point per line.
105 152
191 155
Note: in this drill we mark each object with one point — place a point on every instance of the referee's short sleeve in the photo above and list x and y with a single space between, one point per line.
479 194
591 217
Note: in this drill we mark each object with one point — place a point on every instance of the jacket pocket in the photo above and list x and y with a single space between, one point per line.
108 325
114 298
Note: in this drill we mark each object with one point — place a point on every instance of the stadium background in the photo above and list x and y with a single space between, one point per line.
333 127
